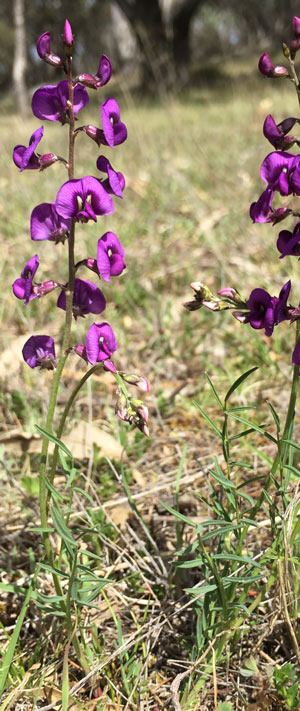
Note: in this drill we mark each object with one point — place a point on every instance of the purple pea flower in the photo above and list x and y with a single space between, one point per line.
115 182
39 351
43 47
110 255
265 311
83 199
100 342
50 102
261 210
102 77
276 133
114 131
46 223
281 172
22 287
288 243
25 158
87 299
267 68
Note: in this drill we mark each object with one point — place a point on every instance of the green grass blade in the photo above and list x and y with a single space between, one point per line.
8 657
254 427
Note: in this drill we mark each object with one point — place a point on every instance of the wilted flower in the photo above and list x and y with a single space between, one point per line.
87 298
83 199
51 102
46 223
138 380
39 351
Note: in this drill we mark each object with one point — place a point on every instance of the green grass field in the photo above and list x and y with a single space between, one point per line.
192 170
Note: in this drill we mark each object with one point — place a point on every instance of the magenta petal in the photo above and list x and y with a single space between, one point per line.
107 126
87 189
37 349
116 265
104 70
92 344
45 223
43 45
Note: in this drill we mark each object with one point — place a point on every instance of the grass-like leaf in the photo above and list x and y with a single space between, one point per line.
51 437
239 381
208 420
213 389
259 429
238 558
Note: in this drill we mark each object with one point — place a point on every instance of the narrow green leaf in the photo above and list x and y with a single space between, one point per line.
8 657
51 437
61 528
201 590
190 563
238 558
247 497
71 477
221 531
213 389
275 416
208 420
178 515
54 492
241 579
10 588
222 479
292 469
291 443
84 493
244 433
52 570
239 381
254 426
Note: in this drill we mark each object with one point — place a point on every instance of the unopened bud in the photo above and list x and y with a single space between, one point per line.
44 288
139 381
88 80
296 26
93 132
68 39
81 351
285 51
47 159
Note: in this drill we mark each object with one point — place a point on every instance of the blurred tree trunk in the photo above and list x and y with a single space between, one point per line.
146 20
19 65
181 18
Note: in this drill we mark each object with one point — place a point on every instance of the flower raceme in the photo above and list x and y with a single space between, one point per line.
78 200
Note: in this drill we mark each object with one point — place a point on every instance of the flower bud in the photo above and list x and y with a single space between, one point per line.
68 39
44 288
88 80
47 159
93 132
139 381
285 50
296 26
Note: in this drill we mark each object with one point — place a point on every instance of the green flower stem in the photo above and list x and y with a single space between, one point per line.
65 415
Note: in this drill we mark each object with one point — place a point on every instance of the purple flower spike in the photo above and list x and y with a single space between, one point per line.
276 134
100 342
25 158
39 351
22 287
115 132
45 223
288 243
87 299
110 255
43 47
115 182
50 102
83 199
